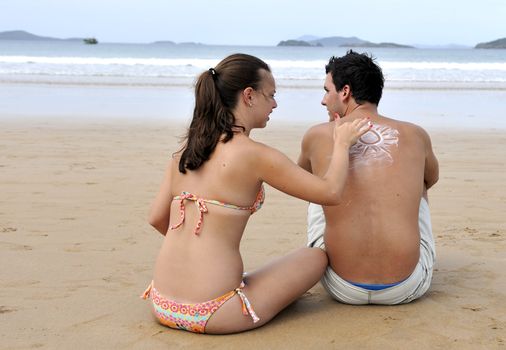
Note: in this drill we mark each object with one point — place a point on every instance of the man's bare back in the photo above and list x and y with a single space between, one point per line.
373 235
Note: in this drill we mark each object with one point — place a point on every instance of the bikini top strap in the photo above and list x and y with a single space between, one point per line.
201 206
259 201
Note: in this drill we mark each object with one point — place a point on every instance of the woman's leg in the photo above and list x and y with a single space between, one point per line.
270 289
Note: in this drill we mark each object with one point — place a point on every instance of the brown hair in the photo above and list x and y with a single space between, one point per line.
361 73
216 95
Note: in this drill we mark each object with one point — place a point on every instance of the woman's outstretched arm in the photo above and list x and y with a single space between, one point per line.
280 172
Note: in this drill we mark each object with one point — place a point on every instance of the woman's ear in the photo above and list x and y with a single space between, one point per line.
247 96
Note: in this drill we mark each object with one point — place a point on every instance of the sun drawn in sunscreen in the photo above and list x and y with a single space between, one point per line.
374 147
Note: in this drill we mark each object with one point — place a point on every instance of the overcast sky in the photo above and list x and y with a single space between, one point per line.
260 22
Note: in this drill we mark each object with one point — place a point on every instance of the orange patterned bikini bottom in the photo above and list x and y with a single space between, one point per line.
192 317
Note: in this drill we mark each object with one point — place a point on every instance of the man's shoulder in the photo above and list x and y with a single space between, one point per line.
401 124
411 133
320 128
315 136
318 131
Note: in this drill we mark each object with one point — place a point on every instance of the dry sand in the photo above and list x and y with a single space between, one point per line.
76 250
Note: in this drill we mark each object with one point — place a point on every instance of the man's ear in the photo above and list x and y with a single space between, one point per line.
346 90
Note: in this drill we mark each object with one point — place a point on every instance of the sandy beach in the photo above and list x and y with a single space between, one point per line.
76 250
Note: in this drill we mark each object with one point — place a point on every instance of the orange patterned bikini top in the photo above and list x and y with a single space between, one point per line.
201 206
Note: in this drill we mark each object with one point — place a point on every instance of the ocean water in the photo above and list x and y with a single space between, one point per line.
161 63
459 88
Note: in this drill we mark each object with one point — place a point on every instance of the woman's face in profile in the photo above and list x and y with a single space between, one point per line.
265 100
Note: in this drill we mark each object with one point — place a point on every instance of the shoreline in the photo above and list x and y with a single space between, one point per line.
432 109
188 82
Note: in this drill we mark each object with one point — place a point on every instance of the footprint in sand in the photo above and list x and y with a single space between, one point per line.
74 249
473 308
470 230
5 309
14 246
22 284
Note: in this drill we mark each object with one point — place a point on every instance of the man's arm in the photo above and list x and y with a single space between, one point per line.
431 173
304 160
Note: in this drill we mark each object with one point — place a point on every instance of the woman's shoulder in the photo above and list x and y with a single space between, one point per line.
251 153
244 144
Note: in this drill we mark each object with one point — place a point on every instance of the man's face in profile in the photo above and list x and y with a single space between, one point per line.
331 98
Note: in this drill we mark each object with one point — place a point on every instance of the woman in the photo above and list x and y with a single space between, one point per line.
199 270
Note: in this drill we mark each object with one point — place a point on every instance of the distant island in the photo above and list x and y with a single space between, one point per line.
303 41
26 36
339 41
496 44
172 43
388 45
23 35
297 43
164 42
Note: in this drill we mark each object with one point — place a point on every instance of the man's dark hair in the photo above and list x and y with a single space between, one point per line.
360 72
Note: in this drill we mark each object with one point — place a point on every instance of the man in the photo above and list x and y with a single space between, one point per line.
378 239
